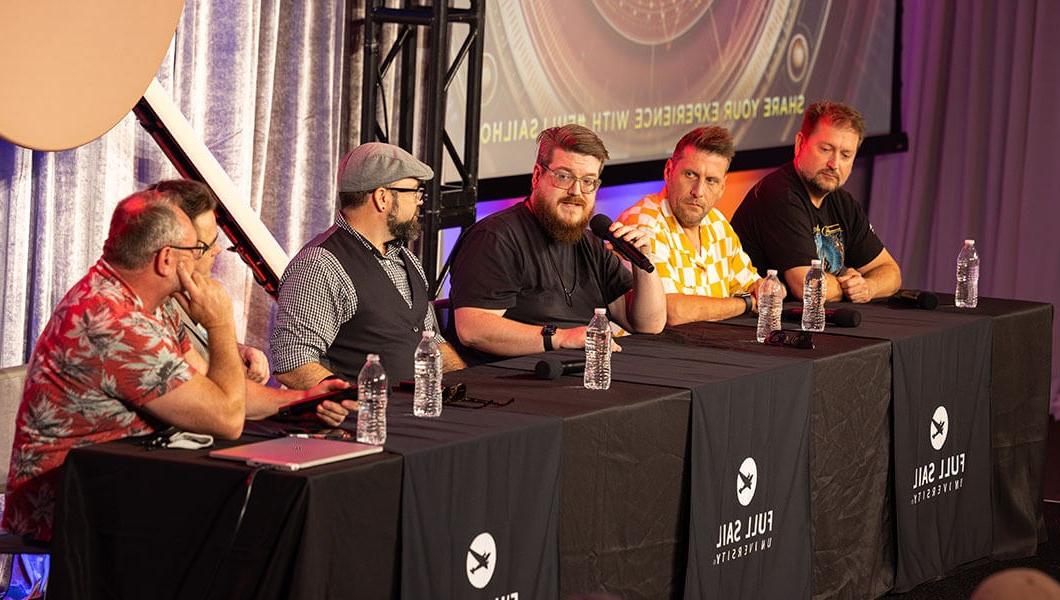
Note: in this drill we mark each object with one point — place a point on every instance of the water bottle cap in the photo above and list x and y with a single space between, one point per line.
815 262
428 334
971 242
601 311
771 273
373 358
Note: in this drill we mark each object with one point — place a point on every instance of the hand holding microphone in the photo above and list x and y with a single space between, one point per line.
630 244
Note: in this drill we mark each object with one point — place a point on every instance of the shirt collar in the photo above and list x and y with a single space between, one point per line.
392 247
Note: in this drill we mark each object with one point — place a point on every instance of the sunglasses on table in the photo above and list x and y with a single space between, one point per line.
456 395
792 339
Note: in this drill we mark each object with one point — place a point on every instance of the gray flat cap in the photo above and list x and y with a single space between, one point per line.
375 164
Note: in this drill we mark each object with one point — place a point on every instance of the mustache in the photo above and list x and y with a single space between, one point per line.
829 172
574 200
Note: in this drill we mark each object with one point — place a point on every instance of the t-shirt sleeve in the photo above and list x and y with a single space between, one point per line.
486 272
863 244
147 362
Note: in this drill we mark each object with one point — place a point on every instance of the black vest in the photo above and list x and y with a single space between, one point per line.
383 324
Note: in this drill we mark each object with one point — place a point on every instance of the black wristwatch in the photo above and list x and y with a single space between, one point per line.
547 332
748 302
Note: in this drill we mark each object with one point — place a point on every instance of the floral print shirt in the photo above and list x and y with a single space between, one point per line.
100 359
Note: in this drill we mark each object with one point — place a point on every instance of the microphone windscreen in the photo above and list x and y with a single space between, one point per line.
599 225
846 317
549 368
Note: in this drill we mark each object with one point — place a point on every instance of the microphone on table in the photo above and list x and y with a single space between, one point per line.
552 368
840 317
914 299
599 225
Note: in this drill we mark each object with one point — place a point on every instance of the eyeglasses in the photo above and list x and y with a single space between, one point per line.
792 339
421 192
200 249
565 181
456 395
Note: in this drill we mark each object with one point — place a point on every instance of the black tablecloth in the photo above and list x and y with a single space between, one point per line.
626 475
133 523
623 511
853 543
479 502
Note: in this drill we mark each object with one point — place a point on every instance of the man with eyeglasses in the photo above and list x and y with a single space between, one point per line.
112 362
705 272
527 279
356 289
199 205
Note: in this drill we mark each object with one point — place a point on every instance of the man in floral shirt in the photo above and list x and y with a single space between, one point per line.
112 363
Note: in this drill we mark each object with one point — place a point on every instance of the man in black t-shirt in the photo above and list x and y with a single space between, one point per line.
528 278
800 212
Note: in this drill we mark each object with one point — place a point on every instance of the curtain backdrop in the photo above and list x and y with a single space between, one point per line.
980 96
261 83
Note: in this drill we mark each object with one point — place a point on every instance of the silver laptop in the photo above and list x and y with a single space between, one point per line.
294 453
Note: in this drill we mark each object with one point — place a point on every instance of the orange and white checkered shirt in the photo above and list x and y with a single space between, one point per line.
719 269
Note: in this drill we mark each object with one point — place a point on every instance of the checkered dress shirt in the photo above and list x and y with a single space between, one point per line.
719 269
317 297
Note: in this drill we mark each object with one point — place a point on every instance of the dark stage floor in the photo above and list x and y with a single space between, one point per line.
960 585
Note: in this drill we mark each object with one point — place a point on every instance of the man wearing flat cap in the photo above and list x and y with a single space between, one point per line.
356 289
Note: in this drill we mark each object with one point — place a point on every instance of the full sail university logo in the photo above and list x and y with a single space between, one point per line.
746 481
940 476
481 560
939 427
748 534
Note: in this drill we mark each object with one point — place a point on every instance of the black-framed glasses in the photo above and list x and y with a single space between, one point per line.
456 395
792 339
199 249
564 180
421 192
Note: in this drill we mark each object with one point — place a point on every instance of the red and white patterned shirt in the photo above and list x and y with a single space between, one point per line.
100 359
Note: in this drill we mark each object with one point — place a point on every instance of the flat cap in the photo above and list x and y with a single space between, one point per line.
375 164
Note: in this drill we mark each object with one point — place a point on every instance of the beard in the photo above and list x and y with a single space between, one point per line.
819 185
687 216
403 232
560 230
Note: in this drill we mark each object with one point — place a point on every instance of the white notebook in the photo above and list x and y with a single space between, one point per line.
294 453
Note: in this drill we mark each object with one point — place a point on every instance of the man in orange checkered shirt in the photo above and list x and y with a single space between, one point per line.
706 275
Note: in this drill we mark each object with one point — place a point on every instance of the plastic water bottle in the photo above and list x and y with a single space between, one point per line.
770 302
598 352
967 295
813 294
371 402
427 397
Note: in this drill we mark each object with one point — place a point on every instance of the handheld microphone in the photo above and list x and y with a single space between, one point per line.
914 299
552 368
840 317
599 225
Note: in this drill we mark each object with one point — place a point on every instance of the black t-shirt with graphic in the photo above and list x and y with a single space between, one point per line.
780 228
508 261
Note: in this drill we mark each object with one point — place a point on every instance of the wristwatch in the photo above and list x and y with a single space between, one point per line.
547 332
748 302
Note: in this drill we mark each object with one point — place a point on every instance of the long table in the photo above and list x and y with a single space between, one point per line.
644 482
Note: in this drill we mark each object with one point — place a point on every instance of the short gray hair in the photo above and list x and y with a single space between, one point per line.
142 224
